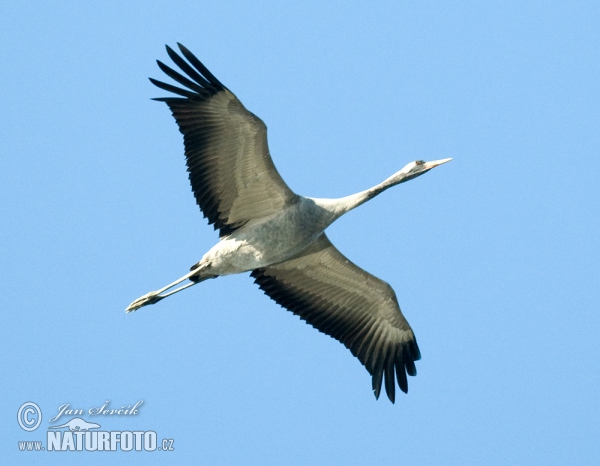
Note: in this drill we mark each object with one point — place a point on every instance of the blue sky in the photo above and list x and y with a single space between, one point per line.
494 256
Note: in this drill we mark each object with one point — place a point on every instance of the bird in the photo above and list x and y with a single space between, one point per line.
278 236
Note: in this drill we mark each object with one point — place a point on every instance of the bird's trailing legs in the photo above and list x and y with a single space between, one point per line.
155 296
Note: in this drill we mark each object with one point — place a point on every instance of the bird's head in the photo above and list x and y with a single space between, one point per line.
416 168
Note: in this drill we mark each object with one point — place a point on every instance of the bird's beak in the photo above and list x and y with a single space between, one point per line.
435 163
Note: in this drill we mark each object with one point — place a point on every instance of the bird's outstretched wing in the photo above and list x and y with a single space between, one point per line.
232 175
342 300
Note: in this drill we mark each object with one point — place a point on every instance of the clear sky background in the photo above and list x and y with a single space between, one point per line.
494 256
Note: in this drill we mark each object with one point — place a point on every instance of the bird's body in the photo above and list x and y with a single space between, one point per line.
278 235
269 240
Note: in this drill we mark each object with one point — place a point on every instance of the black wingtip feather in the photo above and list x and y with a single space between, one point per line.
410 367
199 66
401 371
179 78
168 100
376 390
414 349
390 383
191 72
173 89
377 379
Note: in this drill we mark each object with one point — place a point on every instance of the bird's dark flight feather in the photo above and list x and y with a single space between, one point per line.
231 172
342 300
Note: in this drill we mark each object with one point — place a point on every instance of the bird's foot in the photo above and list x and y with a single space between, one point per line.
149 298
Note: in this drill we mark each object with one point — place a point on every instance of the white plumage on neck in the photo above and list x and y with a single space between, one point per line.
340 206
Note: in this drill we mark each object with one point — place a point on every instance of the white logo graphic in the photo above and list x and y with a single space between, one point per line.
29 416
77 424
77 434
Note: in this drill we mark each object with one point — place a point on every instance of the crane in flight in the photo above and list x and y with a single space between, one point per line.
277 235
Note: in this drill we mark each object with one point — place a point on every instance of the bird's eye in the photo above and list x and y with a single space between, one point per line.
420 162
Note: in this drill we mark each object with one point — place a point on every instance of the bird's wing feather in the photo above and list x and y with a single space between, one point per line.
231 172
342 300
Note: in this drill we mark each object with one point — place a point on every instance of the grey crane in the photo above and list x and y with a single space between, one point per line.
277 235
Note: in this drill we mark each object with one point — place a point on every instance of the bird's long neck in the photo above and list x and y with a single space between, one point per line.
338 207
